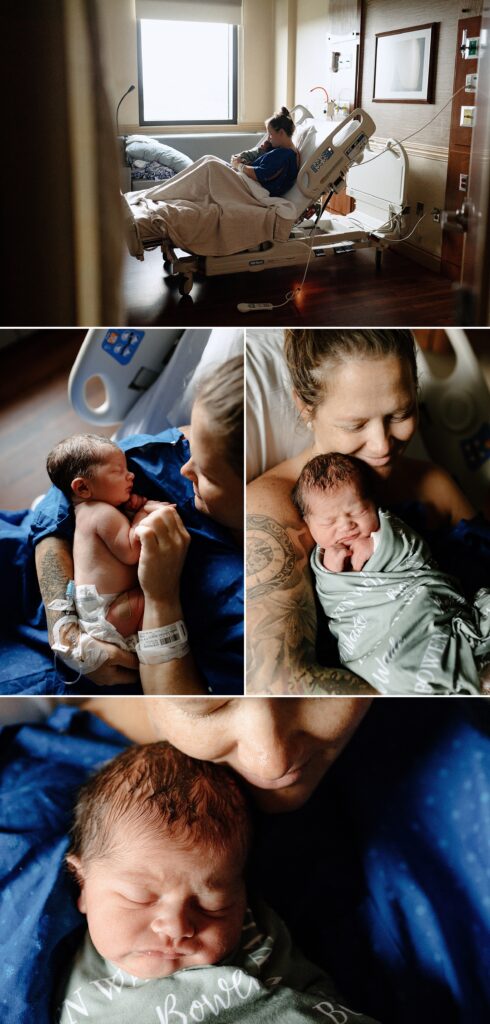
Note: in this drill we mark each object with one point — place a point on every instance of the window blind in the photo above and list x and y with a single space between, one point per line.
228 12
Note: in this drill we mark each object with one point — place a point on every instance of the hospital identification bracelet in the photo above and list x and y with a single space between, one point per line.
166 643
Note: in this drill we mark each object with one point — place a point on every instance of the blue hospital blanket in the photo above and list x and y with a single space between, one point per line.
383 876
211 583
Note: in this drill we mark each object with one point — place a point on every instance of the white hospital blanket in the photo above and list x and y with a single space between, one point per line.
211 210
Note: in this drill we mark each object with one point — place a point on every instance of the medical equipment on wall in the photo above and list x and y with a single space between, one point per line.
125 361
455 417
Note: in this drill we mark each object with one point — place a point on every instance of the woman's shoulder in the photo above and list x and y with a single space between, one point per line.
435 488
270 494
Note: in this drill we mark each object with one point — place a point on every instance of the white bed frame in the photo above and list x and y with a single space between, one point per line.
340 161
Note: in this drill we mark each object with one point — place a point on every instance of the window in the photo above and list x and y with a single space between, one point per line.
187 72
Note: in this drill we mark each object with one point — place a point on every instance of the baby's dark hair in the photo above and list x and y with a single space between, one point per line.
326 473
157 786
281 119
76 456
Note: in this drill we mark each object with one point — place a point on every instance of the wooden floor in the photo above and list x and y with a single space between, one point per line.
347 291
34 411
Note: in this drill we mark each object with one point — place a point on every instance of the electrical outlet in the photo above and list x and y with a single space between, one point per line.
436 215
419 209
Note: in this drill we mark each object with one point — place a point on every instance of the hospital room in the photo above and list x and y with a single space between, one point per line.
112 100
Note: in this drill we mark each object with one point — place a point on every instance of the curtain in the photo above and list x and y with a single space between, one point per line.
62 232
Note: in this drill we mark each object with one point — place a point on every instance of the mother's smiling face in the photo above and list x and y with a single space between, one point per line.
357 390
281 746
370 412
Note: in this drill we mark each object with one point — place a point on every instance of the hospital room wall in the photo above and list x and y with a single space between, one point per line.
118 26
428 151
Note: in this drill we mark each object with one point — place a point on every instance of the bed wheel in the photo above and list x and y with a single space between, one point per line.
185 283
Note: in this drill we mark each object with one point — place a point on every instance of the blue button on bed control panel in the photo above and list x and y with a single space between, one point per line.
122 344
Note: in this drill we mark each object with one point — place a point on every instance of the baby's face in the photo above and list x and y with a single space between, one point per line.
340 517
111 480
155 906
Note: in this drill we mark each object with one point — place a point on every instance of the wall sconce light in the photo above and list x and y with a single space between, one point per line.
123 97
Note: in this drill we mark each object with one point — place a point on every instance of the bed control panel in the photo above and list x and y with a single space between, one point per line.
122 344
113 366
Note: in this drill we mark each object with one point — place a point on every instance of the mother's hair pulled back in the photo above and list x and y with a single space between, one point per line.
281 119
312 354
221 394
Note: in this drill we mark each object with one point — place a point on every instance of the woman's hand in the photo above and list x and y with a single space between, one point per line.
164 543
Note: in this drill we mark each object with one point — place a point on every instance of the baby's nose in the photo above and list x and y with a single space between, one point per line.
175 924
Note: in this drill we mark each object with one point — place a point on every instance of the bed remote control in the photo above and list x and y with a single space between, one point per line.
250 307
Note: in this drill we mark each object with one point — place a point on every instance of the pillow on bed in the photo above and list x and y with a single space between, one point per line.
224 343
274 429
140 147
149 170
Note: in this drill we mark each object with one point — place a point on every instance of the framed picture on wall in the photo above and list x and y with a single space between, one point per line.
404 65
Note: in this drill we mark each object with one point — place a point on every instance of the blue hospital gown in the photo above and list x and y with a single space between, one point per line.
277 170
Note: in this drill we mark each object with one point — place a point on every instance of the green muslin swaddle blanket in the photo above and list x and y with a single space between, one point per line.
400 622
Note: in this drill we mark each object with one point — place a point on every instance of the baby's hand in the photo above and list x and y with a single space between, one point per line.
362 550
146 509
134 502
337 558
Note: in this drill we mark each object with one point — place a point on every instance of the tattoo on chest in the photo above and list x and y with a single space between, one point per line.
271 558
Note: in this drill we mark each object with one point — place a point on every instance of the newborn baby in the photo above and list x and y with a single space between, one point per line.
93 474
400 623
342 520
158 851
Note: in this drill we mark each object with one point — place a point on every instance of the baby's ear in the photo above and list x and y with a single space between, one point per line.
81 487
74 865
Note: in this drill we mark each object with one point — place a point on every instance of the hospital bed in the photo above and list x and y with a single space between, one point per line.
334 157
144 380
454 427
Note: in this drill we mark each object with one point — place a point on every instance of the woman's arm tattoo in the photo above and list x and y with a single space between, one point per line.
281 616
54 565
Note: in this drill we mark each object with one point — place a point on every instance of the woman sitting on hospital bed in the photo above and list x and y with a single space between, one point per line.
356 392
277 161
214 208
211 592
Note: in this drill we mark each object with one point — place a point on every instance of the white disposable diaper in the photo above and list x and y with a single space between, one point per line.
91 609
